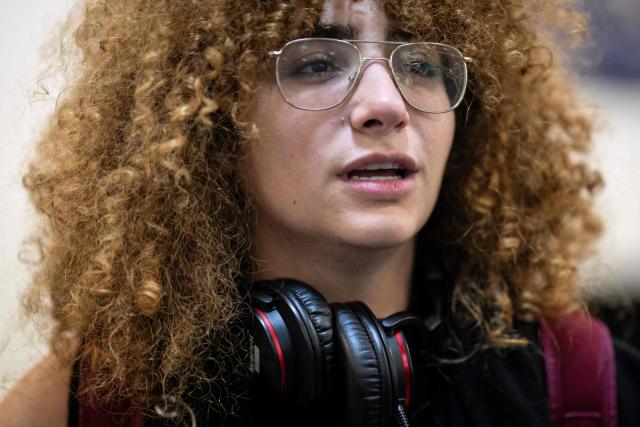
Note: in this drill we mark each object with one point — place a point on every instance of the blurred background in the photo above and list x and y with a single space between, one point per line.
607 69
608 65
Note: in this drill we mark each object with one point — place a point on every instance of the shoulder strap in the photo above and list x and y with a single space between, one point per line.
580 366
83 414
115 416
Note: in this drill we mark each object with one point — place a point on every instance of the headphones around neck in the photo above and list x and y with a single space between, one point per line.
307 351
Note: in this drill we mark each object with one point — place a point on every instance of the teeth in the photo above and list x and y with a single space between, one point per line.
375 166
374 178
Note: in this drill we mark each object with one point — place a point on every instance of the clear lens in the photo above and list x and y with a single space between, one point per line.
317 74
432 77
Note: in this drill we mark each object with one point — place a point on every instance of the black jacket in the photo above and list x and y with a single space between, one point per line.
492 388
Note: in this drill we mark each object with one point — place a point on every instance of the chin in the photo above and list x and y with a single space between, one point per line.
383 234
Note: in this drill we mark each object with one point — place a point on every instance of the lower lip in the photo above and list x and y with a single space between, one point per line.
383 189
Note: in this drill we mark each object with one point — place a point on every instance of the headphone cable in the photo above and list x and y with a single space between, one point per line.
401 416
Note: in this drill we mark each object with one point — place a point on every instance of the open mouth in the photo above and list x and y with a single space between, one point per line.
378 172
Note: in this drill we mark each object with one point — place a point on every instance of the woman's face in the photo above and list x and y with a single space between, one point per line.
298 167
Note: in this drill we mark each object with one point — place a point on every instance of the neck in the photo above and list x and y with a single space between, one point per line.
381 278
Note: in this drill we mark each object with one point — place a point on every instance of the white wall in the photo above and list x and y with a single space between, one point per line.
615 271
26 24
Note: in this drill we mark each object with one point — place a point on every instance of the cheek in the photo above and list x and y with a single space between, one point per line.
438 137
270 152
282 159
293 145
444 148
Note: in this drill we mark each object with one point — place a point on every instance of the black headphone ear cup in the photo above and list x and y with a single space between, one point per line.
307 321
320 314
365 369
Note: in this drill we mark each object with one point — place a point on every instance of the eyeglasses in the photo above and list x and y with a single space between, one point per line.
319 74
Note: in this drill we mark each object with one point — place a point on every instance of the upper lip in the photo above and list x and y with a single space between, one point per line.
406 162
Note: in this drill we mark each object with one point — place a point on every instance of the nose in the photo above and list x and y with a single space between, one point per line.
377 105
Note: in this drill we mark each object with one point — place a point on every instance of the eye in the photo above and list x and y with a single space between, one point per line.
316 67
425 68
320 65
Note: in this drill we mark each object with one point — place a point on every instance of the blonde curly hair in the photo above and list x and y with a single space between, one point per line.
149 233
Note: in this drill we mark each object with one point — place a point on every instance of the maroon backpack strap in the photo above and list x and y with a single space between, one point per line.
118 414
580 366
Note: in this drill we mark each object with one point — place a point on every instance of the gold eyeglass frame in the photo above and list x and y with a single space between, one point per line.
352 43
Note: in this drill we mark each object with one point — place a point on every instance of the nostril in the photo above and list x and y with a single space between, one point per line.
371 123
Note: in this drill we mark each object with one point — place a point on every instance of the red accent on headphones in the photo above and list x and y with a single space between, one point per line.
274 337
405 364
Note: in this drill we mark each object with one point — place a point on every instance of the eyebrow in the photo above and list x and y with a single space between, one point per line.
335 31
349 32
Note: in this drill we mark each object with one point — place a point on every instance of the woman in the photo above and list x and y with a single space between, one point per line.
204 147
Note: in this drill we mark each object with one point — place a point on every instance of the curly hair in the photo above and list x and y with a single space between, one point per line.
149 233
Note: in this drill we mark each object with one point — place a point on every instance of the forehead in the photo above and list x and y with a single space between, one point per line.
365 19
